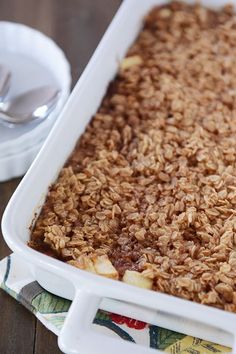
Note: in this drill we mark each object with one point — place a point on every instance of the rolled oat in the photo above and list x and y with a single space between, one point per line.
150 188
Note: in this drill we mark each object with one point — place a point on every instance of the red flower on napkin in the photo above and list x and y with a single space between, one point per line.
130 322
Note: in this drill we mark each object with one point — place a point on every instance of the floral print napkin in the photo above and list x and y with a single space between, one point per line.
17 281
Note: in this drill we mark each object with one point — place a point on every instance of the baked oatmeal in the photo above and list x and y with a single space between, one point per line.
148 195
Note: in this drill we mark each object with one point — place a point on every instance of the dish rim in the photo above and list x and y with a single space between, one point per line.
95 285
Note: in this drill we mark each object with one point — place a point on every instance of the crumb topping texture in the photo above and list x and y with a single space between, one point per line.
148 195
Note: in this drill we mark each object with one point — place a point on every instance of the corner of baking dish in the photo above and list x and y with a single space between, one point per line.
101 286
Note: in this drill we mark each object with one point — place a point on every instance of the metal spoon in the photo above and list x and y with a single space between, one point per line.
29 106
5 78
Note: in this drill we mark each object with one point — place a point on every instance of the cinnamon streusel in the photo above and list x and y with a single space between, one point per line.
148 195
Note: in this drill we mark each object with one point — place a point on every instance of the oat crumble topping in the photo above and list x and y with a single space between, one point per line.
148 195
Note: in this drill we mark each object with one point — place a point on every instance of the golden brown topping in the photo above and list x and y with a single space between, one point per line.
149 193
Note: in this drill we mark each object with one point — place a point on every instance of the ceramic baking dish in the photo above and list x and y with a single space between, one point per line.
89 291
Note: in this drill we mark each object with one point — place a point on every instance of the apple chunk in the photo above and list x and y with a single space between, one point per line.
103 266
135 278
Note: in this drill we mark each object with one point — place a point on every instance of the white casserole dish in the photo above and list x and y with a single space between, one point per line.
87 290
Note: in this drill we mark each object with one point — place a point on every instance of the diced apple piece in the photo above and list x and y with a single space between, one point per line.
135 278
88 265
131 61
103 266
83 263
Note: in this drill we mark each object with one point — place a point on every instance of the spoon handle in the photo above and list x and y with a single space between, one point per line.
5 76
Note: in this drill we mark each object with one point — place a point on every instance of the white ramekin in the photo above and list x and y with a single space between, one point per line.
19 41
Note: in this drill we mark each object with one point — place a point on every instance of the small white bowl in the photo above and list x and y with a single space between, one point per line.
16 165
34 60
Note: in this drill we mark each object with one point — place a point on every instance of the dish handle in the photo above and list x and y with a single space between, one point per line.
78 337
